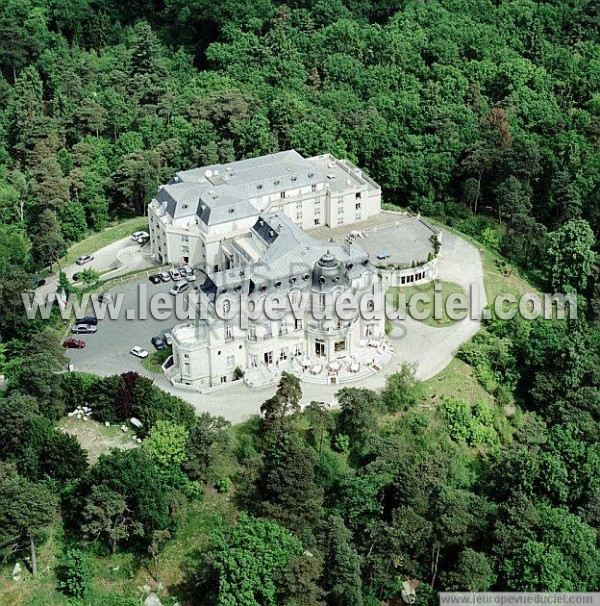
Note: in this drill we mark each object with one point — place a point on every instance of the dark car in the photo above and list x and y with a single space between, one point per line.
158 342
84 329
155 279
40 282
91 320
75 277
73 343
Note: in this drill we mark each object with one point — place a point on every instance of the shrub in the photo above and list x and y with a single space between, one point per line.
224 485
73 574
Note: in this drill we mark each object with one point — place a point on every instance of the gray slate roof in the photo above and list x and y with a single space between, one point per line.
287 262
220 192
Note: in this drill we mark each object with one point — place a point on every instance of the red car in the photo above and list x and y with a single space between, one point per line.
73 343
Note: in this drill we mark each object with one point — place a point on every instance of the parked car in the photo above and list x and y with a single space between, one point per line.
164 276
138 352
186 270
40 282
168 339
155 279
83 259
175 274
75 277
143 239
159 343
91 320
105 298
179 288
139 234
191 276
84 329
383 255
73 343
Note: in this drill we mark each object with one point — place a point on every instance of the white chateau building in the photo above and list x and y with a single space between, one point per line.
244 226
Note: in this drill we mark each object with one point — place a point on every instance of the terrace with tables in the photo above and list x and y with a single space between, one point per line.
367 359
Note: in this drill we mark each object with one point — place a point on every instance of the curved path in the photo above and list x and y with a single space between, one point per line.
431 349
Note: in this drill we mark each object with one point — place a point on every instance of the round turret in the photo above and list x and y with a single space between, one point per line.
329 273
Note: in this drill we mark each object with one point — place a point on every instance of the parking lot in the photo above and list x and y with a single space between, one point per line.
107 351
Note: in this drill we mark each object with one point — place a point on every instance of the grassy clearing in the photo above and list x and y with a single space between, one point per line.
103 238
447 288
456 380
96 438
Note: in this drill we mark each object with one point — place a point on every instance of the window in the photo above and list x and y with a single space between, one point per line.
230 361
228 331
339 346
369 332
299 350
298 324
185 250
358 216
340 220
317 221
186 368
224 379
252 332
341 210
358 195
313 187
357 206
283 327
319 348
298 216
318 202
299 204
282 195
284 354
185 238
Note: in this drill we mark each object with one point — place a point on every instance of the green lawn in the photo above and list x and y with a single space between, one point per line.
156 359
102 238
447 288
456 380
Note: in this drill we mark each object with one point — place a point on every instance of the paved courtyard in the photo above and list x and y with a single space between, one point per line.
429 348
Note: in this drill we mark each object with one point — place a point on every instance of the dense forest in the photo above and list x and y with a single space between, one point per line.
484 114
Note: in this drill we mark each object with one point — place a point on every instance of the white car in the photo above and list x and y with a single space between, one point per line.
179 288
175 275
140 235
190 277
138 352
168 339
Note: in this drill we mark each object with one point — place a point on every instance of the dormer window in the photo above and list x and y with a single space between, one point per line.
259 186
